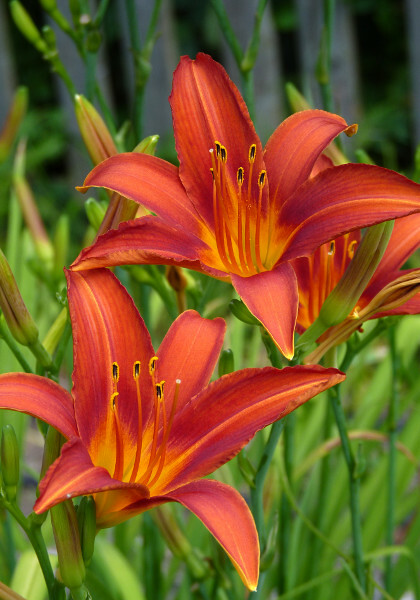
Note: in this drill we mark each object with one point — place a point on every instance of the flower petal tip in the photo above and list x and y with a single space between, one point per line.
82 188
351 130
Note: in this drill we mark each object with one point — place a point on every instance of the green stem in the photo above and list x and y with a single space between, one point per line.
264 464
286 506
42 356
228 32
354 484
325 82
33 531
392 461
10 341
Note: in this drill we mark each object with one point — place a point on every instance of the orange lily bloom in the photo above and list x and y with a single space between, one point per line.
144 427
390 291
234 211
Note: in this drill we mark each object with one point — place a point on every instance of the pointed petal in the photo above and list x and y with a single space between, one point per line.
146 241
148 180
73 474
41 398
226 515
107 328
293 149
272 297
189 352
206 107
339 200
215 425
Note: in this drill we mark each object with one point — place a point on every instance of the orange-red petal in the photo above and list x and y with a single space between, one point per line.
341 199
41 398
146 241
73 474
226 515
215 425
148 180
272 297
207 107
189 352
293 149
107 329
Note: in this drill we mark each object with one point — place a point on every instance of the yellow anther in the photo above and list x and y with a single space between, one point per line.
112 400
262 178
159 390
223 154
331 251
351 249
115 372
218 146
136 370
252 153
152 364
212 172
240 176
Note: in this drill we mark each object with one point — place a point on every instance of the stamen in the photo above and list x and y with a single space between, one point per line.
136 377
223 154
352 248
162 449
240 180
218 146
217 213
152 365
158 403
331 251
119 445
261 182
115 372
252 153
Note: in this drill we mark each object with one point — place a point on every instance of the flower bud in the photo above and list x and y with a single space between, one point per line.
49 37
61 244
95 212
178 543
67 541
226 362
241 312
147 145
33 221
17 316
9 461
26 26
14 118
86 518
95 134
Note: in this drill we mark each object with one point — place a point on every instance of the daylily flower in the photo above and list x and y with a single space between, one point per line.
391 290
143 427
237 212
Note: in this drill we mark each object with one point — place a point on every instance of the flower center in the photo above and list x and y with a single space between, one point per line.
148 462
237 214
